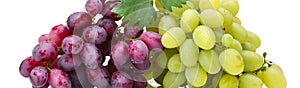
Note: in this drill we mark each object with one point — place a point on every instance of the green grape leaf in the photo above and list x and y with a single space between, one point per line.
139 12
167 4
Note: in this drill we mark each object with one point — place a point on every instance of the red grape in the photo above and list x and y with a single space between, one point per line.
139 81
39 76
119 53
99 77
132 31
121 79
95 34
107 10
72 44
152 40
77 21
90 56
93 6
45 51
44 38
58 33
108 24
27 65
69 62
59 79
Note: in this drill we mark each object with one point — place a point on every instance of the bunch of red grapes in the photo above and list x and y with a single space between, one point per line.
73 56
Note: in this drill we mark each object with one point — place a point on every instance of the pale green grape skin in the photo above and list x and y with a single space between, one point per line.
252 61
273 77
228 81
166 22
173 38
175 65
178 11
238 32
173 80
195 4
230 5
219 32
196 76
189 53
253 39
211 18
162 60
237 20
227 40
248 80
209 60
204 37
228 18
249 46
237 46
231 61
189 20
209 4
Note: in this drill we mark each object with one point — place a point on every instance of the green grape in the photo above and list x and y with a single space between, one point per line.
228 81
189 53
162 60
232 61
209 60
228 18
230 5
237 20
237 46
173 80
196 76
175 65
177 11
219 32
227 40
252 61
247 80
204 37
211 18
159 75
154 24
166 22
209 4
238 32
189 20
253 39
191 5
273 77
173 38
249 46
195 4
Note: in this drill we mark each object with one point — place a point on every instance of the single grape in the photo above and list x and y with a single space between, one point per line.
161 59
45 51
175 64
227 40
204 37
108 24
231 5
189 20
77 21
196 76
219 32
177 11
228 18
99 77
90 56
95 34
237 46
139 54
69 62
38 76
166 22
273 77
211 18
173 38
119 53
249 46
252 61
238 32
253 39
248 80
152 40
237 20
173 80
228 81
44 38
227 57
189 53
209 60
58 33
132 31
209 4
93 7
121 79
59 79
107 10
72 44
27 65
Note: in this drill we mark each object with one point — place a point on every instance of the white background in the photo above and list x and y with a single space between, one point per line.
276 22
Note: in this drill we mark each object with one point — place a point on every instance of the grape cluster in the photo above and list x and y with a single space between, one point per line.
207 47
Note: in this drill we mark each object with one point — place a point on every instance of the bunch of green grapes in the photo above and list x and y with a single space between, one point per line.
206 46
